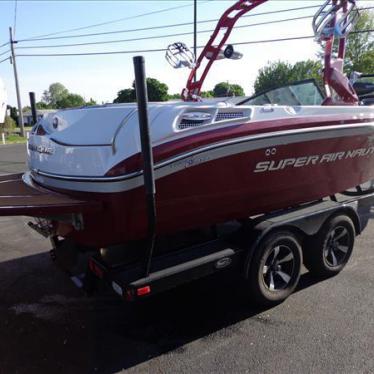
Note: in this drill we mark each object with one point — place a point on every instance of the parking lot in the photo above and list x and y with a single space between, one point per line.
209 326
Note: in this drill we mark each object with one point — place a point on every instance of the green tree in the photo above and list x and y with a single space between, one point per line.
13 113
157 91
125 96
360 46
204 94
207 94
8 125
174 97
42 105
365 63
91 102
308 69
280 73
224 89
70 101
56 92
272 75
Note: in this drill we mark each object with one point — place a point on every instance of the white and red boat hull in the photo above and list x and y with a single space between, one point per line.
222 174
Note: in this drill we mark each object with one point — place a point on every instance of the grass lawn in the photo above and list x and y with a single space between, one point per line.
13 139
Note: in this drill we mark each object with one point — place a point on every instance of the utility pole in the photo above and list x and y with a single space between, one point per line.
13 61
195 32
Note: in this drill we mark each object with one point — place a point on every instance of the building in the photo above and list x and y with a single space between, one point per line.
27 116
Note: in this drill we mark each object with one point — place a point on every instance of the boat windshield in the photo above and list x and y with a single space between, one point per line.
299 93
364 85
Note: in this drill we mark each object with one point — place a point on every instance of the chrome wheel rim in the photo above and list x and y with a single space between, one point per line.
337 246
279 268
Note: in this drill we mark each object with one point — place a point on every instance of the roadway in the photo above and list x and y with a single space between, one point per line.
209 326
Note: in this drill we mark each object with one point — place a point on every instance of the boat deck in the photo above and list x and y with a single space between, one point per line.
20 199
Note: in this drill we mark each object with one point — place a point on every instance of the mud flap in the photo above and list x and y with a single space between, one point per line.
68 257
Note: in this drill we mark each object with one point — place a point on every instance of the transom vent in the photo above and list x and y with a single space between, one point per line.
221 116
190 123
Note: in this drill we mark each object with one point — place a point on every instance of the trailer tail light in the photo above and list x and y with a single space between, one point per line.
96 269
130 294
146 290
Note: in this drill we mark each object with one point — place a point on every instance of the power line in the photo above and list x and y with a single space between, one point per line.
295 38
5 59
90 53
159 36
5 52
162 26
109 41
164 49
4 44
114 21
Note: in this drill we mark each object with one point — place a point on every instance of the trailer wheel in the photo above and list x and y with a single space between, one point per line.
275 268
330 250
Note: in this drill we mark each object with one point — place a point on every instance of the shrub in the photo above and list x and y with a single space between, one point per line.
8 125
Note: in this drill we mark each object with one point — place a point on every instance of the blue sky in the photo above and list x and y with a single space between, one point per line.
101 77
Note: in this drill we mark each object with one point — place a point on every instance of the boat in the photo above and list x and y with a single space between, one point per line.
214 160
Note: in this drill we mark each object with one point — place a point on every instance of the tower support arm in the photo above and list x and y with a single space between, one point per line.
214 46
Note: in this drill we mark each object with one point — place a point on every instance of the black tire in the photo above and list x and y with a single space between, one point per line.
274 273
330 250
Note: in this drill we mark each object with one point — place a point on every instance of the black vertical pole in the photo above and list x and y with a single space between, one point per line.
195 32
148 173
33 107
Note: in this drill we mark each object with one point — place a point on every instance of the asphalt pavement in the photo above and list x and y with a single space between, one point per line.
208 326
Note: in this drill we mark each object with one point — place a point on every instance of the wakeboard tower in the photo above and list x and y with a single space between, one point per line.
333 22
